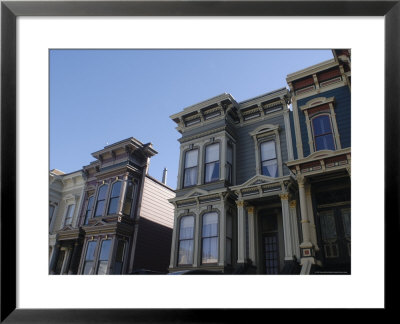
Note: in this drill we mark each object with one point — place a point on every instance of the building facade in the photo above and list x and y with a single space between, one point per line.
65 197
321 101
124 222
232 207
263 187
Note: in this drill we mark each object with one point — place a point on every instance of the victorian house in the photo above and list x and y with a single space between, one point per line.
321 101
123 220
233 208
65 197
264 184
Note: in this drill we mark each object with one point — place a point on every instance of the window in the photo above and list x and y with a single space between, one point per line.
69 214
129 198
185 245
269 163
51 212
89 259
229 164
101 200
89 209
190 172
209 238
212 163
103 258
114 199
119 257
323 137
229 234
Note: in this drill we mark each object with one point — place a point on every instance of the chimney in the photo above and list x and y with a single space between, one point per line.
164 176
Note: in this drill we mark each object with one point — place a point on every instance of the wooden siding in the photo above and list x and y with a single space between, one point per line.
245 157
154 235
342 109
155 206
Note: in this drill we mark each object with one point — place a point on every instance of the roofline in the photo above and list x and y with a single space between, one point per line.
283 90
202 104
313 68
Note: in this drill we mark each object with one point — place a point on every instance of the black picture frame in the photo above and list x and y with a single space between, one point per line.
10 10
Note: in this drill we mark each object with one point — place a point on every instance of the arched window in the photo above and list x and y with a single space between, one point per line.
114 199
104 257
101 200
89 209
323 136
209 238
185 244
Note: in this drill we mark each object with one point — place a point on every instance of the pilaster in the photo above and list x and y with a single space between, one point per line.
286 226
241 231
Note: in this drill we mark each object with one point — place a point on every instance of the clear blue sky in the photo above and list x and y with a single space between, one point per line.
104 96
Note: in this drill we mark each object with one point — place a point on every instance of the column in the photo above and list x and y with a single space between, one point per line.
286 226
310 212
197 238
252 235
222 234
172 261
54 258
295 230
241 231
303 210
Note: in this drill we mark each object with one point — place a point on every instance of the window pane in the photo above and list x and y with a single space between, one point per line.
210 225
51 211
328 227
116 189
212 172
105 250
102 268
321 125
324 142
88 268
270 168
191 158
185 255
102 192
268 150
112 208
346 222
70 213
210 250
186 227
90 250
190 177
212 153
99 208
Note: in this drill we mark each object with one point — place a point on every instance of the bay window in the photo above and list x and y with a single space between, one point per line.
114 199
101 200
211 163
209 238
89 258
104 256
190 171
186 240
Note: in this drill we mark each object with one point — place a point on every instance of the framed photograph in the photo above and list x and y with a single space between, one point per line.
30 29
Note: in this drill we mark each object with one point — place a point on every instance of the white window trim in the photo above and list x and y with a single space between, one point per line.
265 131
313 103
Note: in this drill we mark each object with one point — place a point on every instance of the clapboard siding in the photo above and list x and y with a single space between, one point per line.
246 152
342 109
155 206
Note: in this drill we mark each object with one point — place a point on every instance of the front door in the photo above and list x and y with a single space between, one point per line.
271 253
335 237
